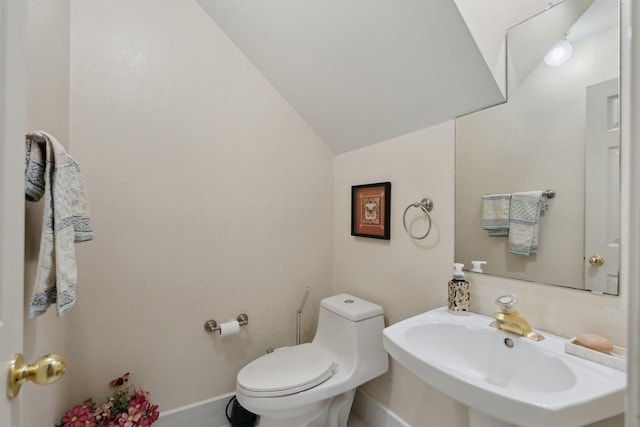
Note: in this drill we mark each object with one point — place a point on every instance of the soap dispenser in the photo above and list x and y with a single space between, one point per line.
459 295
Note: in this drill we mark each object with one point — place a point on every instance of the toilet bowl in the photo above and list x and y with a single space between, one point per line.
313 384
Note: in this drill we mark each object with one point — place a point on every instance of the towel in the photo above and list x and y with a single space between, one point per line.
524 221
495 214
52 173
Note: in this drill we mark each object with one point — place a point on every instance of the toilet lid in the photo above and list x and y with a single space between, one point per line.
274 374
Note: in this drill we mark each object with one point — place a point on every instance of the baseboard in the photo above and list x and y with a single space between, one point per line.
373 413
208 413
211 413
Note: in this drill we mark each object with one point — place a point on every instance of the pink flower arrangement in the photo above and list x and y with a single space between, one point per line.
127 407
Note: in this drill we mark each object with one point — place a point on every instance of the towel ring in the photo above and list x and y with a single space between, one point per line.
426 205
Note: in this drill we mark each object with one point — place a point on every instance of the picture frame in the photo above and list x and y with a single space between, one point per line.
371 210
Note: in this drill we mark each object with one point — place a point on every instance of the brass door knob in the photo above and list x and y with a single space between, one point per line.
46 370
596 260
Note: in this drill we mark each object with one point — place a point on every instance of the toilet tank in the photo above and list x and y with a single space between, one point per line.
351 328
351 308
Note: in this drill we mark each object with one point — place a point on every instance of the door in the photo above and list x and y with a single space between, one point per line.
602 188
12 124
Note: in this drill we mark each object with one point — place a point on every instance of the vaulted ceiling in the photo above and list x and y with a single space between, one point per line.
362 71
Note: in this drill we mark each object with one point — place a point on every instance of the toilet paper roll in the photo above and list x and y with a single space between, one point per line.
231 327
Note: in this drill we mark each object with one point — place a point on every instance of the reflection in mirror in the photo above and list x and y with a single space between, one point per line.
558 130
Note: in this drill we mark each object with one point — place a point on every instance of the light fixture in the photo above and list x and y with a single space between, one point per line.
559 53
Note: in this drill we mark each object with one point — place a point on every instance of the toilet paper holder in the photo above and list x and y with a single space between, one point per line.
212 326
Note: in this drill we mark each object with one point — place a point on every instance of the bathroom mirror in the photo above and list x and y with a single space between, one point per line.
557 131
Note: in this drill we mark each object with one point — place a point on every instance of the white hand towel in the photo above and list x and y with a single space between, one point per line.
524 222
495 214
51 172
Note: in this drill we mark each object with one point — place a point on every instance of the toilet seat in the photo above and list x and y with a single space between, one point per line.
272 374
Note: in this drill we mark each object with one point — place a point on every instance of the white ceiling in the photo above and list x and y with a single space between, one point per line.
362 71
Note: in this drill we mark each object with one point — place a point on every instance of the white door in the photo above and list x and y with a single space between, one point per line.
12 121
602 188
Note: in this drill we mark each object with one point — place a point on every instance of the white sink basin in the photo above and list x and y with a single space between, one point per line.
532 383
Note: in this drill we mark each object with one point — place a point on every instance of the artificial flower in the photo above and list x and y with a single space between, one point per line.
78 416
129 418
127 407
120 380
152 412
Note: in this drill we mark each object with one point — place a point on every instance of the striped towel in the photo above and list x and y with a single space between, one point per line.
52 173
524 222
495 214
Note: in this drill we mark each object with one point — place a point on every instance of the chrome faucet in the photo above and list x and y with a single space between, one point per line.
509 320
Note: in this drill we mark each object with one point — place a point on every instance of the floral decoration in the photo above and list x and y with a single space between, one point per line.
127 407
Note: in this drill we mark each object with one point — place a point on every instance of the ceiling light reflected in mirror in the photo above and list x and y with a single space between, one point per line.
559 54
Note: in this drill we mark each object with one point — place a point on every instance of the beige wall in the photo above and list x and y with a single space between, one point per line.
210 197
406 277
47 108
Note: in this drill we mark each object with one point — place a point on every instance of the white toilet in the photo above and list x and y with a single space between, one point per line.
312 385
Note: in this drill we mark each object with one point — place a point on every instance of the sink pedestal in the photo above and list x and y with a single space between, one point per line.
480 419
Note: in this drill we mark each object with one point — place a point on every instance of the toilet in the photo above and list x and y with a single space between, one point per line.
313 384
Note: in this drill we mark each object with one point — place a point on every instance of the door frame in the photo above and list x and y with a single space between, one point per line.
13 15
630 206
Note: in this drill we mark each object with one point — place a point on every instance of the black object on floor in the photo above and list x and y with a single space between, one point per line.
239 417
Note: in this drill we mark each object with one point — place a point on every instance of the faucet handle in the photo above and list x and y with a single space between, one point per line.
507 303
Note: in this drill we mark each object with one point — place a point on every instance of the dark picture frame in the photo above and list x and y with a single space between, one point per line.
371 210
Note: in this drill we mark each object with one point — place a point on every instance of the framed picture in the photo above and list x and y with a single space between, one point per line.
371 210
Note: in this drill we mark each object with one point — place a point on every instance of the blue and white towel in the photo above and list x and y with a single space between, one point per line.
524 221
495 214
52 173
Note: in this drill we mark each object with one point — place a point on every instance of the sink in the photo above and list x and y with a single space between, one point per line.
502 376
